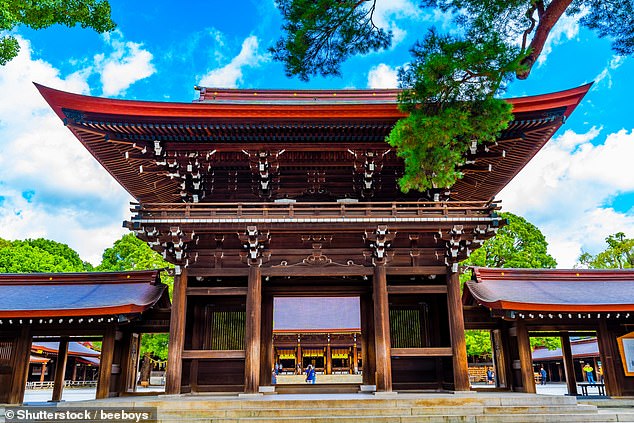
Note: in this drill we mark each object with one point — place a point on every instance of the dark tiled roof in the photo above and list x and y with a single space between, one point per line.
576 290
311 313
78 294
582 348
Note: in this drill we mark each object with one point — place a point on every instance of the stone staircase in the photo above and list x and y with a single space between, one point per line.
367 408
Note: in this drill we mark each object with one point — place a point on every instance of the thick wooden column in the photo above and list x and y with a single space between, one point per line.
569 366
268 356
42 375
253 331
367 341
500 359
60 370
328 369
299 354
21 358
456 331
174 369
355 358
105 363
382 346
526 360
608 353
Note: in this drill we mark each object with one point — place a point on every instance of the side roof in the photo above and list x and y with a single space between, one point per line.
80 294
551 290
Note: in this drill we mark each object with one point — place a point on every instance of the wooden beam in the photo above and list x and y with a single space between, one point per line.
60 370
557 334
21 357
320 271
417 270
220 271
381 330
212 354
105 363
174 374
416 289
253 331
217 290
526 361
569 365
422 352
609 359
456 332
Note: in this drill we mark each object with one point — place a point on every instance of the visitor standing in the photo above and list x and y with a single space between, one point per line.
543 375
589 376
310 374
490 376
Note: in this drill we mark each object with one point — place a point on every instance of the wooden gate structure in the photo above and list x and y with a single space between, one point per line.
517 303
110 307
254 194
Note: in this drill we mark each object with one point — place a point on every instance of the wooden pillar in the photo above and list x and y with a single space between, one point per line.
608 354
253 331
74 375
60 370
299 353
21 358
456 331
42 375
355 357
268 356
382 346
526 360
367 341
328 369
174 371
105 363
569 366
500 359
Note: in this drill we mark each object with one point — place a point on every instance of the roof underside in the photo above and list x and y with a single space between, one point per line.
556 290
247 145
79 294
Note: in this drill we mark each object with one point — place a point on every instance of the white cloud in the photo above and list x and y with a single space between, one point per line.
388 12
382 76
565 190
230 75
605 74
125 65
70 197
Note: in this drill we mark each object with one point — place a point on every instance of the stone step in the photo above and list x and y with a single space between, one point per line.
365 401
307 411
510 418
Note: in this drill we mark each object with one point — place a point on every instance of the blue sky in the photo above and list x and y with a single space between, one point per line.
578 189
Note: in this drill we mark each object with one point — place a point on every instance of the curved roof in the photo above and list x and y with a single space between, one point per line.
557 290
74 348
153 148
79 294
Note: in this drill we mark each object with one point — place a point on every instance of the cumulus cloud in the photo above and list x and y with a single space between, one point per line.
383 76
389 12
567 189
128 63
50 185
230 75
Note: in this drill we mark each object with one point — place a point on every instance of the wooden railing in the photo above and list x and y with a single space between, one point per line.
320 211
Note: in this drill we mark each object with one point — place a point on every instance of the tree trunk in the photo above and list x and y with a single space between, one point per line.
547 21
